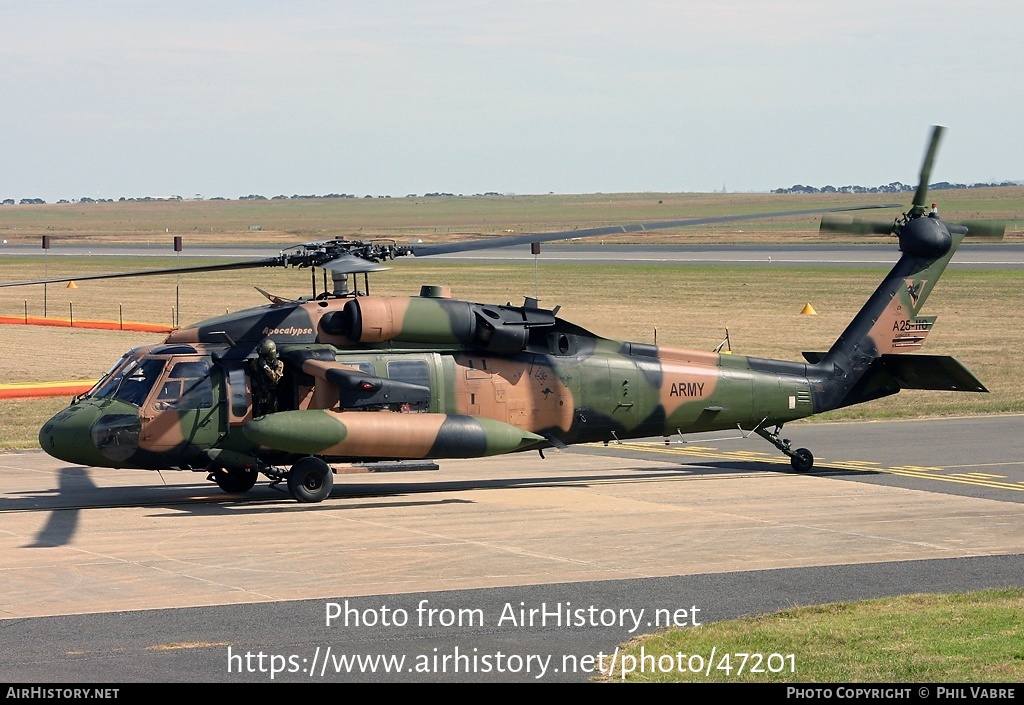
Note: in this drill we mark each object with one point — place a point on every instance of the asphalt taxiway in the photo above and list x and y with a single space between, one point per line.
123 575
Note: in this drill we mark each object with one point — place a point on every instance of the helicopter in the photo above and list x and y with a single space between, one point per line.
285 389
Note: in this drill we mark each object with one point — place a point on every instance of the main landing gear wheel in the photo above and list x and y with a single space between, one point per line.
310 480
235 480
802 460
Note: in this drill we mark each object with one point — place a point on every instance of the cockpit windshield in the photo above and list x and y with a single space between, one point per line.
130 382
100 387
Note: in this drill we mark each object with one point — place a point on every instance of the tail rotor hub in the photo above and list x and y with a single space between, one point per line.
925 237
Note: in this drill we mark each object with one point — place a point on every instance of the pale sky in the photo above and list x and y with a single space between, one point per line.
109 99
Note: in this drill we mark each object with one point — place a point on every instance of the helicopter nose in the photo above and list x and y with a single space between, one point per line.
90 434
66 435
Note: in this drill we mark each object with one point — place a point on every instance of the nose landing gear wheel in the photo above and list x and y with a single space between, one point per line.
310 480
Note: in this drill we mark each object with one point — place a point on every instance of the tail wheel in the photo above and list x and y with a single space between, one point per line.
310 480
802 460
235 480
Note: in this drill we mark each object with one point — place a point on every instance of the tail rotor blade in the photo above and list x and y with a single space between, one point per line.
854 226
984 229
921 195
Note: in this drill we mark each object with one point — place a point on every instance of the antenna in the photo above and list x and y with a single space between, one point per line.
46 268
535 249
177 282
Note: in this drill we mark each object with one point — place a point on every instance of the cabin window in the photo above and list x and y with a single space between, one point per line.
412 371
365 367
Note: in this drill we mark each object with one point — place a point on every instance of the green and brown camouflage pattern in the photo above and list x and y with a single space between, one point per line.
386 434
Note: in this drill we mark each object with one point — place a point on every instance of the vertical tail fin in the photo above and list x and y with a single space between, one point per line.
888 324
861 365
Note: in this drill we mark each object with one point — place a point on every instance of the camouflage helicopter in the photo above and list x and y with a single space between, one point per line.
348 376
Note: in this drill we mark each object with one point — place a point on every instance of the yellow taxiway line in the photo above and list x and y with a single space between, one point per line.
917 471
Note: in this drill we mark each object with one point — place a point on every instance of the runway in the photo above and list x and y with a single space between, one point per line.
112 575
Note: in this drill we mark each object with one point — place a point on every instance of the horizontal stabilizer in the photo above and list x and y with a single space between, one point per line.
889 374
938 372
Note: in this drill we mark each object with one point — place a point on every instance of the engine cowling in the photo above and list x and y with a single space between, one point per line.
378 319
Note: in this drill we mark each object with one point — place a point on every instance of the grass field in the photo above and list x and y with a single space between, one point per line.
291 221
964 638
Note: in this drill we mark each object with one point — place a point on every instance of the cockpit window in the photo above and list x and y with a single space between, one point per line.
187 386
108 382
136 380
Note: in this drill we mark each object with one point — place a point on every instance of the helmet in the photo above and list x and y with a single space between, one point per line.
268 348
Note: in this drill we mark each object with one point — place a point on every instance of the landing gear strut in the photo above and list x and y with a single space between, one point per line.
801 459
310 480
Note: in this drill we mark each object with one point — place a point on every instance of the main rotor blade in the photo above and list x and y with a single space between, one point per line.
921 195
246 264
512 240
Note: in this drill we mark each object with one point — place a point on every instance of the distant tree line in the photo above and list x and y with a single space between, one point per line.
250 197
281 197
894 187
86 199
